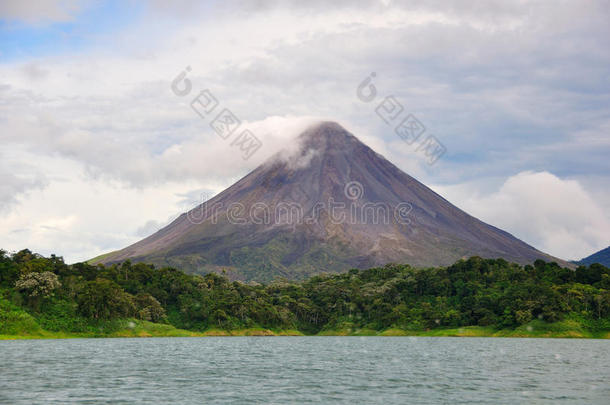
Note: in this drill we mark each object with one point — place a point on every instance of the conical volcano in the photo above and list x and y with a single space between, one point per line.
330 205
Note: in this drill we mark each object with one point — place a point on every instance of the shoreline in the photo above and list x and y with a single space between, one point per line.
144 330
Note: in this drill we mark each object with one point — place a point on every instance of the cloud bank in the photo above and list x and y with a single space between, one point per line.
556 216
509 88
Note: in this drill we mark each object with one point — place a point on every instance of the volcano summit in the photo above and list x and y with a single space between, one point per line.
334 204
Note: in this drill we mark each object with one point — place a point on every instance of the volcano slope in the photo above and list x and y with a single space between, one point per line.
333 205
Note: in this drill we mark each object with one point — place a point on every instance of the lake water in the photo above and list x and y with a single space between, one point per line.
355 370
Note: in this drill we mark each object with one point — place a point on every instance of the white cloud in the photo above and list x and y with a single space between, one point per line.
40 10
507 87
78 217
554 215
17 179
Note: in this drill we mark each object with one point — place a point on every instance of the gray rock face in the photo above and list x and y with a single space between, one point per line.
331 205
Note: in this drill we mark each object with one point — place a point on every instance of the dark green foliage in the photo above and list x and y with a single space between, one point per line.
104 299
470 292
148 308
9 270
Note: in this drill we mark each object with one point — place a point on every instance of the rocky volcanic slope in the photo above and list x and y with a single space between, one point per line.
334 205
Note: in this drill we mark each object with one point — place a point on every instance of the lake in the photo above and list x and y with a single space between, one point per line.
270 370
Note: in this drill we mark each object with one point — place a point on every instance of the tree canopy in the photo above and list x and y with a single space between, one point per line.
470 292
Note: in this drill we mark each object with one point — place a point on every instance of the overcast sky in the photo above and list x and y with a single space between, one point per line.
98 152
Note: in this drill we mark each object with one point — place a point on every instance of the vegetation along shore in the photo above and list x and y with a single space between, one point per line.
43 297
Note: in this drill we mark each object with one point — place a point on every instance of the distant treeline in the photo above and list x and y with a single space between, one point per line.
476 291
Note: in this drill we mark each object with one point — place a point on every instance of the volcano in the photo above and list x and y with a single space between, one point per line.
332 205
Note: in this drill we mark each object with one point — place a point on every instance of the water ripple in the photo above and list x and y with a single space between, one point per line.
274 370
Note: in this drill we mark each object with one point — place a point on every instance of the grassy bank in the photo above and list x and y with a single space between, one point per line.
126 328
25 327
131 328
569 328
15 323
469 331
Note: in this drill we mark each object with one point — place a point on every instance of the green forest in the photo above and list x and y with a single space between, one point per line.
45 297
